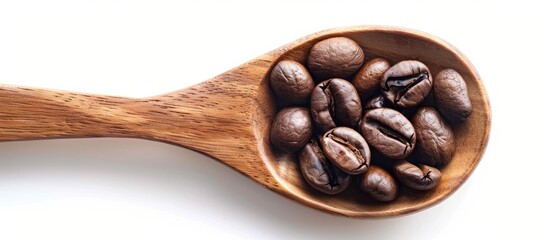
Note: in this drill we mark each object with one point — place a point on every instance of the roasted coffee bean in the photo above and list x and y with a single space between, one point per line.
291 129
291 82
337 57
406 83
389 132
379 184
335 102
435 138
319 172
421 177
451 96
366 80
346 149
376 102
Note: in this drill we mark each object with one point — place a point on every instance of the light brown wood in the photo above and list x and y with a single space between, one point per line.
228 118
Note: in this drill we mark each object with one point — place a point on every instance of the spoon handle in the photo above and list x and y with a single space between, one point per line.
30 113
197 117
223 117
214 117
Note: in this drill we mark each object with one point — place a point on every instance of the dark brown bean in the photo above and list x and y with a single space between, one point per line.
291 129
376 102
337 57
319 172
435 138
346 149
366 80
451 96
421 177
389 132
379 184
406 83
335 102
291 82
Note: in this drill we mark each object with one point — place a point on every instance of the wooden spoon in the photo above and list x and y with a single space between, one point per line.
228 118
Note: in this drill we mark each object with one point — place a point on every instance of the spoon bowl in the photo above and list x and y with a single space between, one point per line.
228 118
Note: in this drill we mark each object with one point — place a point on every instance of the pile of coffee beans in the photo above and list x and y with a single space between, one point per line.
387 124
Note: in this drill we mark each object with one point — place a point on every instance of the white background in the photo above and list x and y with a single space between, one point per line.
136 189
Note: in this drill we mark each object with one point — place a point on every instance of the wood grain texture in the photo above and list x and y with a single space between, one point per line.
228 118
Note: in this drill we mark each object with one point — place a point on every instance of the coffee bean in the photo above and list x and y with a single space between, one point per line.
389 132
291 82
337 57
421 177
451 96
376 102
406 83
379 184
435 138
346 149
291 129
319 172
366 80
335 102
